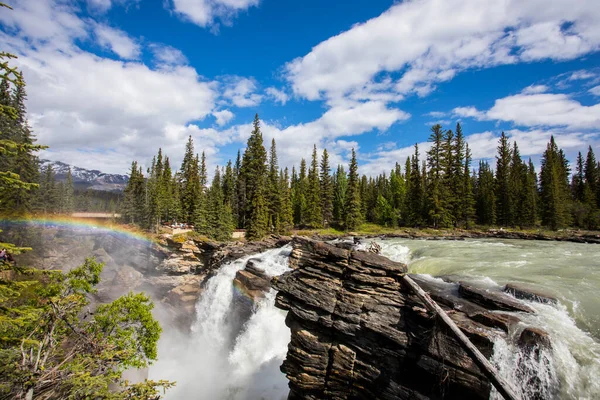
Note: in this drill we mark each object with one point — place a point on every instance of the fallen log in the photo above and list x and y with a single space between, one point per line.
501 385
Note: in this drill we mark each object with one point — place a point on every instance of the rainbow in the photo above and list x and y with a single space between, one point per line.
89 225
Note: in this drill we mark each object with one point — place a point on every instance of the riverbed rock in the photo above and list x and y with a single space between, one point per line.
359 333
522 291
494 300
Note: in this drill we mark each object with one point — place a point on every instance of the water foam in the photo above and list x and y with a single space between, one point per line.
217 362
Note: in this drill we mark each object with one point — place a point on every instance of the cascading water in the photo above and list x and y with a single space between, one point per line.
570 369
220 360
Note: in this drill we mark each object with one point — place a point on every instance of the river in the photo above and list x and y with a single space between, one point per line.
569 271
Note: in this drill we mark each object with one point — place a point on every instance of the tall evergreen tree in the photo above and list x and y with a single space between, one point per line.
352 206
504 207
254 171
436 185
287 215
485 195
314 215
554 187
415 191
190 185
274 190
326 190
466 205
340 188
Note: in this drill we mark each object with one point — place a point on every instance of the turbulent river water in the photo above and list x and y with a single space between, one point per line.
225 358
569 271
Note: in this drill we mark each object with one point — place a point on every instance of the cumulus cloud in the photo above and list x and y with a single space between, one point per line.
223 116
117 41
168 55
278 95
430 41
205 12
595 90
241 92
540 109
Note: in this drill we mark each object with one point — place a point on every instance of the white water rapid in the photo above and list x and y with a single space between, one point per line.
221 360
571 368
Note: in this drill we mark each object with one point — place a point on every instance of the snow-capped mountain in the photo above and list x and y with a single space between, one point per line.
86 178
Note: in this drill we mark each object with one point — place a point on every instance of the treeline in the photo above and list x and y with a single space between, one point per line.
439 190
61 197
19 171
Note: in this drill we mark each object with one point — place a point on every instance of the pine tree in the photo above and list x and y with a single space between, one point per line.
254 172
326 190
554 187
415 191
592 176
504 207
517 178
398 194
314 215
485 195
466 205
353 216
300 185
436 185
274 192
239 207
189 183
340 188
134 203
287 214
68 197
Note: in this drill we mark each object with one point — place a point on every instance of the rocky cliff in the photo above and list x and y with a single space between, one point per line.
358 333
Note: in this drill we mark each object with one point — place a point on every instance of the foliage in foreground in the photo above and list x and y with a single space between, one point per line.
53 347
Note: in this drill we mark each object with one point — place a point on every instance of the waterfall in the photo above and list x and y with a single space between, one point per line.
222 358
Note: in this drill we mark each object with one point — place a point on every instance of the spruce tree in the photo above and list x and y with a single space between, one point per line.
466 205
189 183
554 187
340 188
287 214
300 192
517 179
415 191
274 192
437 192
504 207
485 195
353 216
326 184
314 215
254 171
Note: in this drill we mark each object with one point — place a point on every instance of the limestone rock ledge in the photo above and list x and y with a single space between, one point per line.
358 333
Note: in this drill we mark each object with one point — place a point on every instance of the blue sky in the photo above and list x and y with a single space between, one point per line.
110 81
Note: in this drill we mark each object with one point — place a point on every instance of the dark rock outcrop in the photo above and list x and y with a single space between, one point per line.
359 333
521 291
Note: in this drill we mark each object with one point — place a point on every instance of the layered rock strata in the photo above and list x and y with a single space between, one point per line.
359 333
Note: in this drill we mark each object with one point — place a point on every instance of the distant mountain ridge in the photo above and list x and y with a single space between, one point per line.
86 178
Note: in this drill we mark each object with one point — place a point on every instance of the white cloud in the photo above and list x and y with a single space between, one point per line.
165 54
541 109
595 90
277 95
430 41
533 89
436 114
223 116
241 92
468 112
581 75
205 12
117 41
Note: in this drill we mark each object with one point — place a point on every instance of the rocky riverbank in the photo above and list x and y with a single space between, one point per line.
358 332
461 234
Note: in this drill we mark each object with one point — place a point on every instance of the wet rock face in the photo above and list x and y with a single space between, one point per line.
359 333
